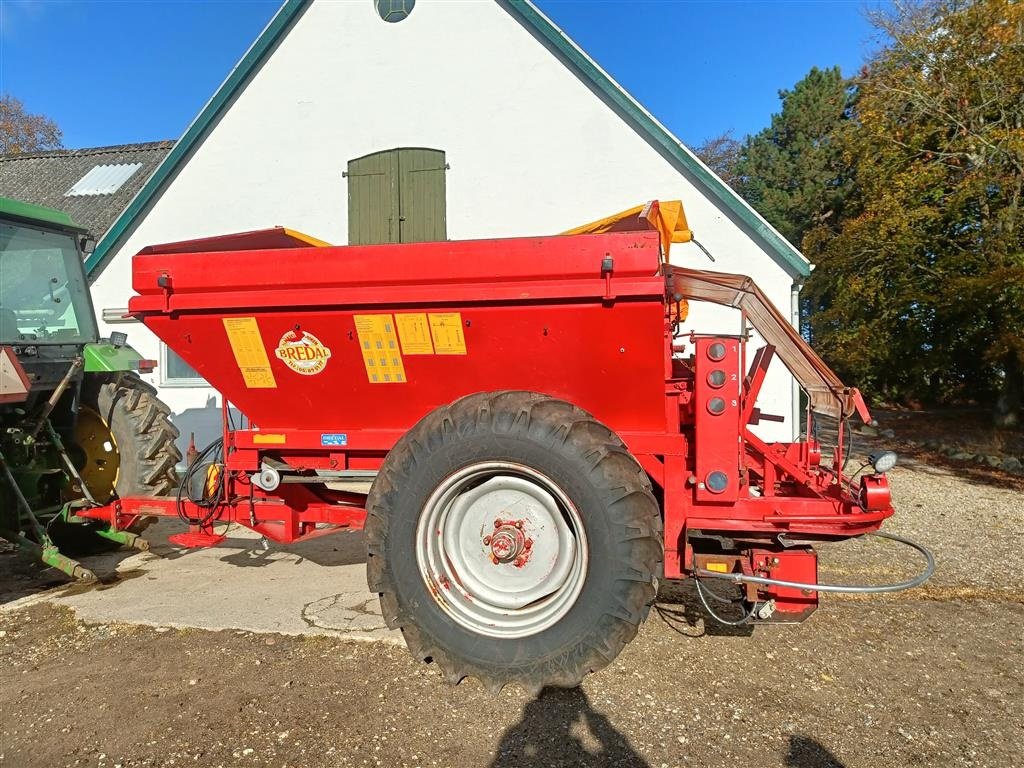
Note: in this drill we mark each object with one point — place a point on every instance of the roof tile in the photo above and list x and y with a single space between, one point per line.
43 178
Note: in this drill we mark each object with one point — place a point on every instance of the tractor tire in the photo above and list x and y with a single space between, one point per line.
137 425
513 538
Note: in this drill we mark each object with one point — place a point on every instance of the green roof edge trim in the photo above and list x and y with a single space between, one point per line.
252 59
529 13
32 212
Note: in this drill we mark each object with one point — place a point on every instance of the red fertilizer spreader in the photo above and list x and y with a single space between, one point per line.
545 441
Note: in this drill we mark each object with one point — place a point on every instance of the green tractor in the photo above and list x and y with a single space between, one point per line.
78 427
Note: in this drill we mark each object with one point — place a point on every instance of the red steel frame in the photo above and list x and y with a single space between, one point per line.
558 321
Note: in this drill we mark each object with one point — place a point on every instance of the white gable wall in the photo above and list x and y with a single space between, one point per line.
532 151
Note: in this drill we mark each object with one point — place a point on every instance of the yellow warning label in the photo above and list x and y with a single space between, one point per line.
379 344
264 438
446 328
414 333
250 354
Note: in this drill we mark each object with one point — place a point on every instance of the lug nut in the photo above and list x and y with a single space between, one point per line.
528 543
487 540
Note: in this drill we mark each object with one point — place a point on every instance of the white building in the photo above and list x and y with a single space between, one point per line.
524 134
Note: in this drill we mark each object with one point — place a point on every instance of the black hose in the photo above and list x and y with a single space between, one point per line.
849 443
210 502
745 619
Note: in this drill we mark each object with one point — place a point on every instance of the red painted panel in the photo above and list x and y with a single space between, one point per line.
607 359
718 442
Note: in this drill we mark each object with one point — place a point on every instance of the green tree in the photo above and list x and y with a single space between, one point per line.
793 172
920 291
21 131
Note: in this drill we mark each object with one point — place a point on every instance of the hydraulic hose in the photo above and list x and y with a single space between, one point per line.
746 618
742 578
211 505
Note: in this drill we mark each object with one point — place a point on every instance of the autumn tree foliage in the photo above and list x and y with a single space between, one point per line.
920 292
905 186
21 131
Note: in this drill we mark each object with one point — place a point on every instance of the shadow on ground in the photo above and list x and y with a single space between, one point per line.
22 574
680 608
805 752
560 727
246 550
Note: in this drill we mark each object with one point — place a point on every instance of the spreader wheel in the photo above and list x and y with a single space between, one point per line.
124 439
513 538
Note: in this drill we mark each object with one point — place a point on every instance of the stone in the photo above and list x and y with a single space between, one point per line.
993 461
1011 464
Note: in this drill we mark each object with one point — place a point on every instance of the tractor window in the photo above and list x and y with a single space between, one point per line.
44 298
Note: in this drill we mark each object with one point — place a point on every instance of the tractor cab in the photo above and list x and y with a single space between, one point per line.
77 425
46 315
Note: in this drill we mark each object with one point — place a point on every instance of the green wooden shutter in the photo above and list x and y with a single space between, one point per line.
373 202
421 184
397 196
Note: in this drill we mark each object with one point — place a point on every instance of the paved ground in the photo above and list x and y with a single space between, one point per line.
316 587
134 673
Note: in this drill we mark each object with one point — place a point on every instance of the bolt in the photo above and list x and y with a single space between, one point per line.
520 562
494 558
519 524
528 543
487 540
497 523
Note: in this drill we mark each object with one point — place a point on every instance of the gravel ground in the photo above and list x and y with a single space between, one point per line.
929 677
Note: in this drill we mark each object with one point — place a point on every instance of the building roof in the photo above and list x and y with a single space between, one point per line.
101 180
558 42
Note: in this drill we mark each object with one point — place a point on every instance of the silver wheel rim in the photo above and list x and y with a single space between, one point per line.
502 549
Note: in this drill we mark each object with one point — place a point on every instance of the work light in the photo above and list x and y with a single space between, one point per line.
883 462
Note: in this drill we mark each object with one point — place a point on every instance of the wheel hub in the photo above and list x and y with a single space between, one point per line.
508 542
502 549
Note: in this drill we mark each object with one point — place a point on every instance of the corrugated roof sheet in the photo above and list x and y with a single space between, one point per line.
43 178
103 179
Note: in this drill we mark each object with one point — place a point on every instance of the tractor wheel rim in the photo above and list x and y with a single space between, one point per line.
502 549
101 458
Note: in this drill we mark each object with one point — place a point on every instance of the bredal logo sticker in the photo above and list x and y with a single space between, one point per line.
303 352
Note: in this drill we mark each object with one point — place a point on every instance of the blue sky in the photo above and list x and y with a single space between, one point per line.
120 72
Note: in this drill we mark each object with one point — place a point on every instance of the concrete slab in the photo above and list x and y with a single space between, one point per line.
312 588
